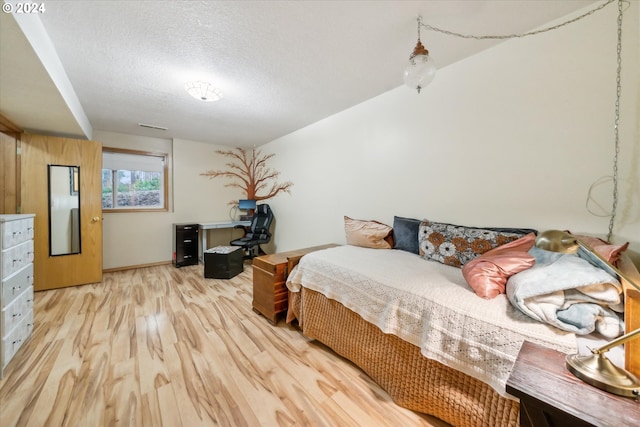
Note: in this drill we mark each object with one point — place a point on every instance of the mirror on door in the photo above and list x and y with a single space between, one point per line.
64 210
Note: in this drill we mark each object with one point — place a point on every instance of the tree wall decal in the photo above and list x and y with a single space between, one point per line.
249 172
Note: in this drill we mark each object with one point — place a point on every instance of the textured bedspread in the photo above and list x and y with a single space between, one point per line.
429 305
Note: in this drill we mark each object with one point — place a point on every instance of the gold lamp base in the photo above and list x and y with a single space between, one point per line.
597 370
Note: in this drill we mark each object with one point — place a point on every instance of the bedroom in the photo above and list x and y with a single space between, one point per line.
527 126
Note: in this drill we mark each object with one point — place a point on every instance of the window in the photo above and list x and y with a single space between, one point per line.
133 180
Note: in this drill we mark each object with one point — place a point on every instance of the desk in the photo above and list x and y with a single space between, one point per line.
211 225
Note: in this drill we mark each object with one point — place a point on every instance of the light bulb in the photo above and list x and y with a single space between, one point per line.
419 72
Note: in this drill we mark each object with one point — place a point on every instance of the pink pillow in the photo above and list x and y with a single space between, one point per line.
487 274
606 250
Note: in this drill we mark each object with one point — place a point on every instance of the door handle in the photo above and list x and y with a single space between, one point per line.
95 219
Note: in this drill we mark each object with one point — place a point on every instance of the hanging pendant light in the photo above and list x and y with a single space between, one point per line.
421 68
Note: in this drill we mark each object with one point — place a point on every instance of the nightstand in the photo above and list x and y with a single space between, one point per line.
551 396
270 294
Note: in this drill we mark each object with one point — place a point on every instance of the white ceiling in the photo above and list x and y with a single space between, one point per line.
282 65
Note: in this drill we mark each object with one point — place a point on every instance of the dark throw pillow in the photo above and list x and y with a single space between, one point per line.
405 234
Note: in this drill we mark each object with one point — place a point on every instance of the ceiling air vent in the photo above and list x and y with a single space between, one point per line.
144 125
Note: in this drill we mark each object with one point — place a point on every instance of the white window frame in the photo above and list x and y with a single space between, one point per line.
127 161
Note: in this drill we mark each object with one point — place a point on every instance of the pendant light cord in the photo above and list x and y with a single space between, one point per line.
612 215
513 36
616 127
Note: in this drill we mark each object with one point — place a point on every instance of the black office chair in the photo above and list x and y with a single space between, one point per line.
258 232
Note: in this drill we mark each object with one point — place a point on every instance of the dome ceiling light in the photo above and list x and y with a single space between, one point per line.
204 91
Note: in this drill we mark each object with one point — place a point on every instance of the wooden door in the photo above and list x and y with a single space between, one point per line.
8 174
9 145
37 153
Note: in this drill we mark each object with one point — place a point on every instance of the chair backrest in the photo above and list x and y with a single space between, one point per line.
261 221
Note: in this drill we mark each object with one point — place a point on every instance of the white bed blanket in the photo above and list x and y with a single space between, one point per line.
568 292
429 305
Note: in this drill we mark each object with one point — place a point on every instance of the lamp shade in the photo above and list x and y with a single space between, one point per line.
420 70
204 91
557 241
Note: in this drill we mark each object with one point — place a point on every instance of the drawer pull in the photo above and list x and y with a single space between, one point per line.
188 241
17 288
16 315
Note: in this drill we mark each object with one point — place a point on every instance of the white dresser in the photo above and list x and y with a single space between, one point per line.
16 293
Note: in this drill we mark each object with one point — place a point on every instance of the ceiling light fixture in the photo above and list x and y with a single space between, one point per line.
204 91
421 68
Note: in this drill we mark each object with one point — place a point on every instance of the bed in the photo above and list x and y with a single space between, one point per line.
455 369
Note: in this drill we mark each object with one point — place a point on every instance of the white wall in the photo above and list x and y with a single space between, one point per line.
513 136
139 238
199 198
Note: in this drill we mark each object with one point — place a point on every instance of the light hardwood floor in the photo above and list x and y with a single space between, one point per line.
162 346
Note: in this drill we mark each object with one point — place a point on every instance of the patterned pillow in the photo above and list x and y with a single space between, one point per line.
456 244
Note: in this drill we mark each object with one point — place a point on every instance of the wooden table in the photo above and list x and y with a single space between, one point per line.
270 294
552 396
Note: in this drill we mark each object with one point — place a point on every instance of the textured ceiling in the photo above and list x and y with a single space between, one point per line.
282 65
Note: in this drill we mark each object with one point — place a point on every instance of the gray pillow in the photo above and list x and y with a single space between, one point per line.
405 234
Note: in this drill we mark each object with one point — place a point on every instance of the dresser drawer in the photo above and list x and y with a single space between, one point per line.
187 233
273 264
190 234
13 259
12 342
15 312
15 284
16 232
190 246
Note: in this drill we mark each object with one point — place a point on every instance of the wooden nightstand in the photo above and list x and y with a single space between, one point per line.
270 295
551 396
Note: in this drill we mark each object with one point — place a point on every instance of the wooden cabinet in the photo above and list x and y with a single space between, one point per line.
16 291
185 244
270 295
551 396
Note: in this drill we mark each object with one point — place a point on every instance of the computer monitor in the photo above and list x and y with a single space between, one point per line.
246 205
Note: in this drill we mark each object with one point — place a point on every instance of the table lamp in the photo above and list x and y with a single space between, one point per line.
595 369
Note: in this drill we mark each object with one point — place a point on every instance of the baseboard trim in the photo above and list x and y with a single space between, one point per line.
133 267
